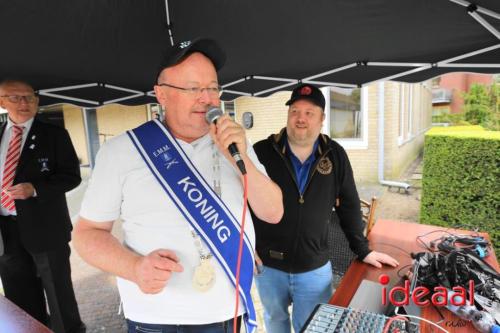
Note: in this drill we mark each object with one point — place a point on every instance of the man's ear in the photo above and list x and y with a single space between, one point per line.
160 94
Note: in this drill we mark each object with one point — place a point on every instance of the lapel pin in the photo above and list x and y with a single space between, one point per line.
32 146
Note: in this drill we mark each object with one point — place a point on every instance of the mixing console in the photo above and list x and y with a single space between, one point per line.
328 318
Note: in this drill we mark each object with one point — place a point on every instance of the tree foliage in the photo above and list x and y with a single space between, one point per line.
482 106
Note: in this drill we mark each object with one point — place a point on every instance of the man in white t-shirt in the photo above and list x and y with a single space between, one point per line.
161 251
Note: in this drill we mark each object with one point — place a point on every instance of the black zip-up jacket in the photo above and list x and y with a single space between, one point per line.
299 242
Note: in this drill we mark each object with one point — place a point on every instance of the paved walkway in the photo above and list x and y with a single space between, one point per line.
95 291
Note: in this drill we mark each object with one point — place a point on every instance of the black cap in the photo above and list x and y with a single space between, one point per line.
309 92
209 47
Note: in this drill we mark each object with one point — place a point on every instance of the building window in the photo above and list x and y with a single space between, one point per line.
156 112
346 118
345 113
228 107
436 82
410 111
402 105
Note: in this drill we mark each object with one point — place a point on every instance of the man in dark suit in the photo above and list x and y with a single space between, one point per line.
38 164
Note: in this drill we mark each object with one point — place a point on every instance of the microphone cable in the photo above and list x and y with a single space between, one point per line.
398 316
240 251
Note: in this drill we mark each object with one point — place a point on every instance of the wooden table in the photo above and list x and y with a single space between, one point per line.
15 320
384 236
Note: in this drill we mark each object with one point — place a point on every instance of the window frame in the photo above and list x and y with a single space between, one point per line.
348 143
230 113
402 107
410 111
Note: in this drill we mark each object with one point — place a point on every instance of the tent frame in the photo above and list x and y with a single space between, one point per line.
473 10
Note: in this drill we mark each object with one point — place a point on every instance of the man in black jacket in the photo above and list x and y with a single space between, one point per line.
315 177
38 164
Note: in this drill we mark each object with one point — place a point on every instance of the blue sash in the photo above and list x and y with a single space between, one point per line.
199 204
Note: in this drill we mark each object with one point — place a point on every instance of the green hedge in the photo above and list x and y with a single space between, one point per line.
461 180
456 129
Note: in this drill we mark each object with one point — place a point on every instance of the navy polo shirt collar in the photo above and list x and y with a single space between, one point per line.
302 169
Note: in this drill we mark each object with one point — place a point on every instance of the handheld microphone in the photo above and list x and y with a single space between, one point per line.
211 117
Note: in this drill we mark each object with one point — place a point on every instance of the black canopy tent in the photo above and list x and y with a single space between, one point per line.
93 53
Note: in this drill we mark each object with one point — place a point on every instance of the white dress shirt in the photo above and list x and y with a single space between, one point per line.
4 146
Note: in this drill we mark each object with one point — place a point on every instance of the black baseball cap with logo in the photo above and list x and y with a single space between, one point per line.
308 92
209 47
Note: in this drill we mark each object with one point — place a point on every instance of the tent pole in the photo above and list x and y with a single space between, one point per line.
87 101
135 93
396 64
235 82
411 71
480 9
336 84
270 78
485 24
335 70
467 55
276 88
241 93
457 65
170 34
78 86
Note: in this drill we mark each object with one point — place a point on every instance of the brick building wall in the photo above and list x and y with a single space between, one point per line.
402 149
73 121
270 115
111 120
115 119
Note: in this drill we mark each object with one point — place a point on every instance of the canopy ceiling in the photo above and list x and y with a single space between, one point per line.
97 52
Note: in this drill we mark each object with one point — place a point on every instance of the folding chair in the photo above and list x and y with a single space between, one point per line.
368 213
341 255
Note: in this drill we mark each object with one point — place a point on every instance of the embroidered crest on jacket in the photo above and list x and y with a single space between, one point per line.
325 166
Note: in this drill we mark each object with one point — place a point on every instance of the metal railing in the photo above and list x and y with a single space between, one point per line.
441 96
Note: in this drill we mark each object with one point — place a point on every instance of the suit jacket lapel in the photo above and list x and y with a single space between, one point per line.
2 129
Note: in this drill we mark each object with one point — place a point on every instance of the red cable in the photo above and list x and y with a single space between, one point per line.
387 326
240 251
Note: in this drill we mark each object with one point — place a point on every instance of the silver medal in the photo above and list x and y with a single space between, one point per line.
204 276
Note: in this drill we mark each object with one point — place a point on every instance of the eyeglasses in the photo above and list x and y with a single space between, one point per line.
214 91
18 98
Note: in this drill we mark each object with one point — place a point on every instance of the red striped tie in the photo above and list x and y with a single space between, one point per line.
9 168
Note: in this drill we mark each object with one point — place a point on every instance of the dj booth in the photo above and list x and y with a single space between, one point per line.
361 285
